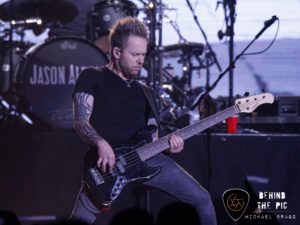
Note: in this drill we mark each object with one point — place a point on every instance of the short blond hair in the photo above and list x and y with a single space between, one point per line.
125 27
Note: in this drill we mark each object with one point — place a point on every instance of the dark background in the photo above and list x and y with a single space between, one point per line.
40 171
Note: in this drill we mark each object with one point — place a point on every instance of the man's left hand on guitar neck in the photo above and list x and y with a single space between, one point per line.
176 144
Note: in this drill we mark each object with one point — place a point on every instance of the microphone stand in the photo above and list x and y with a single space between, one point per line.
209 89
230 32
232 64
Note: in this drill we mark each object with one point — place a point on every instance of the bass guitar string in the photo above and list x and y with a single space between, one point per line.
132 158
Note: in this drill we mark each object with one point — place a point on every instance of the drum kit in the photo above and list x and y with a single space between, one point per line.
36 80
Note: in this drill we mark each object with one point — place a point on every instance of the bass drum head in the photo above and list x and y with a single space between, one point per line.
49 73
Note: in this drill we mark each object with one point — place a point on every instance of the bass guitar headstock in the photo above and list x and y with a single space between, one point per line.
249 104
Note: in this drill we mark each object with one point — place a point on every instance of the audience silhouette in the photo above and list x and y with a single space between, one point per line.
178 213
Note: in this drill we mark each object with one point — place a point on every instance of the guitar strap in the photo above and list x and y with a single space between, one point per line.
149 96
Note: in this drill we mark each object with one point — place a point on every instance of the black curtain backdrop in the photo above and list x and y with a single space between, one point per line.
41 172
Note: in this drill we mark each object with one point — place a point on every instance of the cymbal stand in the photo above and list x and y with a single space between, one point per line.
11 65
154 13
154 59
186 56
12 109
176 28
209 54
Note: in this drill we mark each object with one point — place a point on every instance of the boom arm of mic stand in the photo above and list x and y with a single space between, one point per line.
230 66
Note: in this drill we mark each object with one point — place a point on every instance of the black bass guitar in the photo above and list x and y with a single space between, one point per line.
130 160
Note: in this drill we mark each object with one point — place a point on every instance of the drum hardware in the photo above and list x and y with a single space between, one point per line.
170 79
28 21
16 17
176 28
175 105
183 48
176 96
12 110
18 28
188 53
189 57
169 105
154 11
105 14
49 11
8 67
12 47
171 111
181 93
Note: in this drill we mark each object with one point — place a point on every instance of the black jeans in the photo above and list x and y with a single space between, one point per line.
172 179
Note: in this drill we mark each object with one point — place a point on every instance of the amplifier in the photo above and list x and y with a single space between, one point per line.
281 116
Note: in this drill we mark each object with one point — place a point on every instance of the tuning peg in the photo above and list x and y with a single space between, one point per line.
246 94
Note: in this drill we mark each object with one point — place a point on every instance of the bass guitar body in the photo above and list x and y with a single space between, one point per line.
106 187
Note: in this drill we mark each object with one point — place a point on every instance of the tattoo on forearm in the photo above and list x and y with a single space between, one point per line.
87 132
83 108
83 105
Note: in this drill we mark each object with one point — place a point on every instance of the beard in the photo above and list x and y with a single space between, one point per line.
128 73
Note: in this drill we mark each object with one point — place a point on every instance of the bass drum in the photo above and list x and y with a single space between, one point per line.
48 74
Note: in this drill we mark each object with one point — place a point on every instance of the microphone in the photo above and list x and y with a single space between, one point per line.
267 24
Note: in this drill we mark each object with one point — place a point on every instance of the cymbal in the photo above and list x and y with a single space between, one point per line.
48 10
185 47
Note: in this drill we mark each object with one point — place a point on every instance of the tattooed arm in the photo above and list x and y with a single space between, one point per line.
83 105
